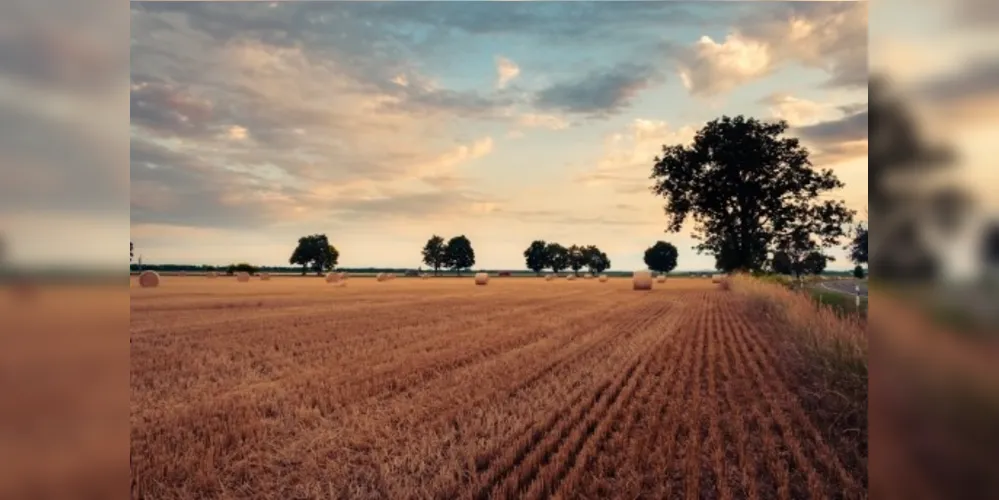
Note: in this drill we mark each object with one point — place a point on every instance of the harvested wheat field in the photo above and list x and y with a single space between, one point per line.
442 389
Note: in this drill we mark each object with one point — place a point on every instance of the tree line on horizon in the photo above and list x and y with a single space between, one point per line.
756 202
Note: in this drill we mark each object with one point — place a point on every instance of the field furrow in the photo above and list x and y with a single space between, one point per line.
416 389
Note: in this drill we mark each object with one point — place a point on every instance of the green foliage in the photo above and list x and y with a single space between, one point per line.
558 257
577 258
859 272
858 245
799 265
595 260
661 257
242 267
435 253
537 256
459 254
315 252
750 192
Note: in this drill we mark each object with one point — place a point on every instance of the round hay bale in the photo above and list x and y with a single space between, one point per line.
482 278
212 275
641 280
550 277
149 279
661 279
243 277
587 277
343 276
571 277
425 276
603 278
382 277
265 276
332 278
717 278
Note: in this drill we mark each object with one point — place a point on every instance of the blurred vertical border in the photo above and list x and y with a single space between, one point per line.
64 218
934 214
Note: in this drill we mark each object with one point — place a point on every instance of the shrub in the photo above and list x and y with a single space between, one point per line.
859 273
242 267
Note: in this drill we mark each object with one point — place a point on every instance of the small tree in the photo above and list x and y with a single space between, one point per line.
596 260
435 253
460 254
242 267
661 257
799 264
314 251
577 258
815 263
858 245
131 251
781 264
558 257
859 273
537 256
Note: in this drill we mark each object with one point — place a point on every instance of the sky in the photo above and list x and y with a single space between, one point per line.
381 124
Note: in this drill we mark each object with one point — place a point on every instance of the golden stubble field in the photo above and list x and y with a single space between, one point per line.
524 388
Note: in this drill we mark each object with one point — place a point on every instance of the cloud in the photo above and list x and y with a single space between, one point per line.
628 156
796 111
837 140
548 121
506 70
711 68
598 93
975 83
831 36
168 109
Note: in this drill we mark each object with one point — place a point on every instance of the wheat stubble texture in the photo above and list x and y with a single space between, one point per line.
440 389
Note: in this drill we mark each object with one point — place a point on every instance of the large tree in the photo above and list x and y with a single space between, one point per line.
435 253
661 257
558 257
596 261
315 252
537 256
460 254
748 190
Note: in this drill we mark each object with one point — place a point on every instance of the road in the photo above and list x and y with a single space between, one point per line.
846 286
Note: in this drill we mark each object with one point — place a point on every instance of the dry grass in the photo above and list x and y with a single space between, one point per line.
522 389
827 354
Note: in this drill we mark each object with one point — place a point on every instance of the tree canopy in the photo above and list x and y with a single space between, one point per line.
315 252
459 254
577 258
750 191
558 257
537 256
661 257
859 273
435 253
596 261
858 246
799 265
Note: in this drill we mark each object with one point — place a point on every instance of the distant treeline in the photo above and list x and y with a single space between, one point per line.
177 268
